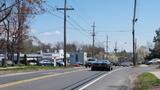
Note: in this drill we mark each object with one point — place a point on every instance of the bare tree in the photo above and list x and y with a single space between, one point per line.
14 22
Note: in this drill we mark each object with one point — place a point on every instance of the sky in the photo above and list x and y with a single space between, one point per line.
111 17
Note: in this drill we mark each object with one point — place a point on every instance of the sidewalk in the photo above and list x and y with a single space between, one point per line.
156 73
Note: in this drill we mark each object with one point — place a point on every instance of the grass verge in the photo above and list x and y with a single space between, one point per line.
18 69
147 81
158 67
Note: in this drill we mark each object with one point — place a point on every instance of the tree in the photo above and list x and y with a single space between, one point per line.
71 47
58 45
122 56
142 52
155 52
24 11
5 9
14 22
112 57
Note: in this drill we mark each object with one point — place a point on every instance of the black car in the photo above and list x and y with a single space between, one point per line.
102 65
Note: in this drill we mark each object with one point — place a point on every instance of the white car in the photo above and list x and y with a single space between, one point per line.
154 61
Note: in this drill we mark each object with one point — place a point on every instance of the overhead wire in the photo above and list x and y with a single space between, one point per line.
83 33
82 18
71 21
85 30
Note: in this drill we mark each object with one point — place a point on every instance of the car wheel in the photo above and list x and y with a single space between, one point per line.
109 69
86 66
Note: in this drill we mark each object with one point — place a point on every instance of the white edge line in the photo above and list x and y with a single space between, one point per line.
98 79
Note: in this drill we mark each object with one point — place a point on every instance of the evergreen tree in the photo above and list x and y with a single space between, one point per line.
155 52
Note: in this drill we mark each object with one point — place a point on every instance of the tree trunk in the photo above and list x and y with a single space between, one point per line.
18 58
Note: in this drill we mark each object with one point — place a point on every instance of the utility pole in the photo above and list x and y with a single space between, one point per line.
107 47
65 24
93 35
135 50
115 49
133 32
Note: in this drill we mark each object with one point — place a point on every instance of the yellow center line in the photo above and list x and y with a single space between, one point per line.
36 78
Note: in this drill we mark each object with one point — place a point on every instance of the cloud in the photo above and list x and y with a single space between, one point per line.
47 33
52 33
57 32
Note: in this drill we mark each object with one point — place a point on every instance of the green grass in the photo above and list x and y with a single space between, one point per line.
16 69
158 67
146 81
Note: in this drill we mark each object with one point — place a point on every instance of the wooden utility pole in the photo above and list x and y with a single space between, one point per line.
133 32
106 51
115 49
65 24
93 35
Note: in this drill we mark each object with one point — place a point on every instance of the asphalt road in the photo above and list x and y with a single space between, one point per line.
29 75
73 79
121 79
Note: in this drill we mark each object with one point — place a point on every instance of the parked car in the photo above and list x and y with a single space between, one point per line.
60 63
32 62
116 63
153 61
89 62
125 64
101 65
46 63
78 64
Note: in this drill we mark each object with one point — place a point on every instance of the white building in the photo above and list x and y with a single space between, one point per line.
78 57
56 55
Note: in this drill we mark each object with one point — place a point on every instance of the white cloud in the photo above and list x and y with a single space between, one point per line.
57 32
52 33
47 33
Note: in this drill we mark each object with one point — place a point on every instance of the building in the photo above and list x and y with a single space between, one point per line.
55 55
78 57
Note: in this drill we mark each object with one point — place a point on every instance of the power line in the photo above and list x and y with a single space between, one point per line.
82 18
83 33
85 30
118 31
56 15
70 22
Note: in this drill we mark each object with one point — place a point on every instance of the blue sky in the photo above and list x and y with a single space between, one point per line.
112 18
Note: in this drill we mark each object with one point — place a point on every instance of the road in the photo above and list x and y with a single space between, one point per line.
73 79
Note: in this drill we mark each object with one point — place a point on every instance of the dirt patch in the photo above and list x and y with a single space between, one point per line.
155 88
135 84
